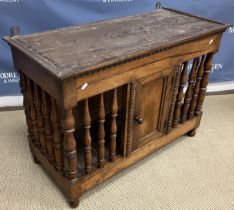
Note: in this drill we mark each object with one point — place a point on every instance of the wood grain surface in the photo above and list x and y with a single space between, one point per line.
72 50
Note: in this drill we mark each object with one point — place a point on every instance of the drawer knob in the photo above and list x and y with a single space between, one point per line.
139 120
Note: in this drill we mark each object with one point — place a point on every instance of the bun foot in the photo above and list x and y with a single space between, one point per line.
73 204
35 160
192 133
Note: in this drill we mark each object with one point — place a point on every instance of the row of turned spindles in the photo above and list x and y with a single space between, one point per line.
101 132
45 127
185 106
43 121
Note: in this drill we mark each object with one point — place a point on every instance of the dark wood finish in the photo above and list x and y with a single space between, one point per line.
102 96
113 128
132 95
180 95
189 91
69 146
87 138
48 125
26 104
120 39
148 109
173 98
204 82
33 112
57 136
40 120
196 88
101 132
111 169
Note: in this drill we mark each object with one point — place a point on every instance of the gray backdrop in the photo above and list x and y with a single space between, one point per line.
40 15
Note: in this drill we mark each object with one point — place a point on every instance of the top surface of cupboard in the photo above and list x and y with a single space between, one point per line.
73 50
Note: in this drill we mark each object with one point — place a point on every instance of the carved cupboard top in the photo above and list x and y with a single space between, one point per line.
78 49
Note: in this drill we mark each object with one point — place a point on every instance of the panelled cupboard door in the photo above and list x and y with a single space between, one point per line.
153 94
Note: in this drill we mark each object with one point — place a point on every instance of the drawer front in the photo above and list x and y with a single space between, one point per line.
151 106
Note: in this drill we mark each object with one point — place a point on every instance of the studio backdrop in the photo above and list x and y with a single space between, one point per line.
35 16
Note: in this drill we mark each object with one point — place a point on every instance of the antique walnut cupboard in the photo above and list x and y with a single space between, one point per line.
100 97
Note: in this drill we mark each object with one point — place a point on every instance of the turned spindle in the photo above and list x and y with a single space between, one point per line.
87 138
26 104
40 120
180 95
189 91
33 111
196 88
101 132
69 146
131 107
204 82
113 129
57 136
173 98
48 125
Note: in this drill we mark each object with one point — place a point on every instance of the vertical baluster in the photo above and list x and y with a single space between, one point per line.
40 120
204 83
69 146
180 95
48 128
33 111
26 104
87 138
132 95
101 132
196 88
113 129
57 136
189 91
173 98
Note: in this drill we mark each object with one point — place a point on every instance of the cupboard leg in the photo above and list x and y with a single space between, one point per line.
73 204
35 160
192 133
69 146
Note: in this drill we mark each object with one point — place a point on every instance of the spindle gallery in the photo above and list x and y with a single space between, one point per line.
102 96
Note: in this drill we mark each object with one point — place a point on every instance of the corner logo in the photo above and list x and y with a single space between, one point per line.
9 77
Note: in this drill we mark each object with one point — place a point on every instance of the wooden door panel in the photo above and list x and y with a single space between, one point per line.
147 107
151 107
148 97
